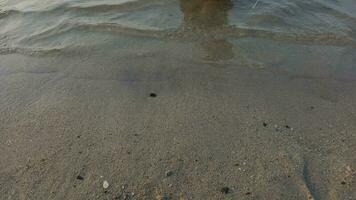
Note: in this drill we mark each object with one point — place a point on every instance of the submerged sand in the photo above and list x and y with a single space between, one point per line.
213 131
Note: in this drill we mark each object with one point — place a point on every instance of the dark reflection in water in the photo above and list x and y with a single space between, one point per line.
205 16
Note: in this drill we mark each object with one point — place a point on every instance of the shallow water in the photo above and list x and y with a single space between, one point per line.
289 36
259 98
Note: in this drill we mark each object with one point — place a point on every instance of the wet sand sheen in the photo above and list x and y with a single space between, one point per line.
215 117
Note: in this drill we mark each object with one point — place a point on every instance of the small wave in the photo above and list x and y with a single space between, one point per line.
326 38
29 51
123 7
7 13
95 27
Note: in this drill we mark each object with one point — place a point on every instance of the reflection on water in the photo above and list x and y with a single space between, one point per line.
204 16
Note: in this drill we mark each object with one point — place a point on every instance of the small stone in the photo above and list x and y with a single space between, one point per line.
153 95
105 184
265 124
343 183
225 190
80 177
169 173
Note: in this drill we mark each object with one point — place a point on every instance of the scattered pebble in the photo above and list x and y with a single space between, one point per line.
80 177
105 184
265 124
153 95
225 190
343 183
169 173
248 193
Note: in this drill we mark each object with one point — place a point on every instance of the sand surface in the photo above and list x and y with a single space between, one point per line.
262 133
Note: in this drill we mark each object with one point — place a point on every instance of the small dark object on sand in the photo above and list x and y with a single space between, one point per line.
312 107
343 183
248 193
169 173
153 95
265 124
225 190
287 126
80 177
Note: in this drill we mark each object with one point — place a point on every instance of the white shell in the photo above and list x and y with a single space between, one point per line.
105 184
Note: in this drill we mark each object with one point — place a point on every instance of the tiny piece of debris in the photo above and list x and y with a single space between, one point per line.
225 190
343 183
265 124
248 193
105 184
153 95
80 177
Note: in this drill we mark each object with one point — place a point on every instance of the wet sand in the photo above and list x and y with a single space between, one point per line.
70 122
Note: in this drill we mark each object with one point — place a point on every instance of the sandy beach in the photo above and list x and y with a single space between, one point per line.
206 112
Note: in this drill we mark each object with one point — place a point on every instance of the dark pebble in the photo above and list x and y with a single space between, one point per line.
343 183
169 173
225 190
287 126
248 193
265 124
153 95
80 178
